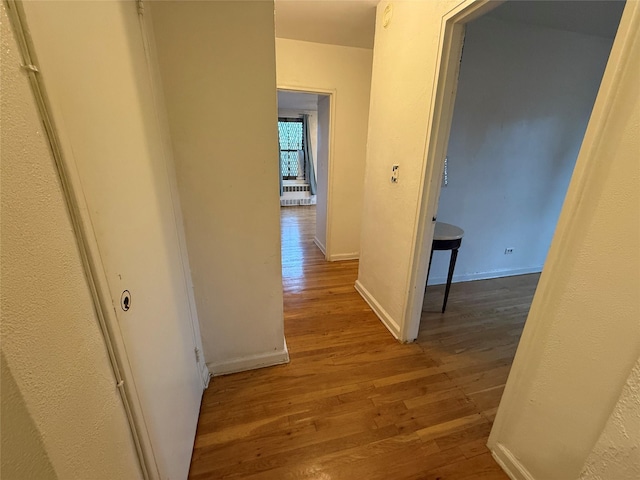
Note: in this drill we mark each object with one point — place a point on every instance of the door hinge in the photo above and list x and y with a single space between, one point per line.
140 7
197 355
30 68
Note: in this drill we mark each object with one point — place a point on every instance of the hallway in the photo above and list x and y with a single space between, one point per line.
353 403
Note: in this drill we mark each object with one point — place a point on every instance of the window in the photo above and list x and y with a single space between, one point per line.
290 136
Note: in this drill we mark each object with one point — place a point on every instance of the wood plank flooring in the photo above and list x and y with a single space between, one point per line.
353 403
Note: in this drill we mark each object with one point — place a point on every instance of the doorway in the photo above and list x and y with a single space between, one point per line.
304 143
512 149
510 167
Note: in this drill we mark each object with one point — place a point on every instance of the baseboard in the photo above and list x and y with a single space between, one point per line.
510 464
250 362
469 277
344 256
320 246
382 314
337 257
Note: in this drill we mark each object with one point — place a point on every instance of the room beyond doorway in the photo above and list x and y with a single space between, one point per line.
304 146
512 150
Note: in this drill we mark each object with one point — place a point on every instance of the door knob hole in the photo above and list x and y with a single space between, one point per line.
125 300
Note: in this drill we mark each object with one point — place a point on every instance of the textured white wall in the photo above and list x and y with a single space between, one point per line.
347 71
524 98
404 63
582 336
52 347
217 64
617 453
23 452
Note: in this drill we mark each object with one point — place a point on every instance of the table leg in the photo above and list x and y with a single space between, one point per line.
428 270
452 265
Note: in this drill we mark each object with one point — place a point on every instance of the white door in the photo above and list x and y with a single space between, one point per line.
92 59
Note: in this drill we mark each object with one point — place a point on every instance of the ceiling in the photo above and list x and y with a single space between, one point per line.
352 22
349 23
599 18
297 101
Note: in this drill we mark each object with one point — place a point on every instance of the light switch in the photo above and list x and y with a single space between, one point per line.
394 173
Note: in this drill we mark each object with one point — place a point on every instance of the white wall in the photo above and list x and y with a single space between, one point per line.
347 72
62 416
617 453
404 63
217 63
524 98
582 336
23 451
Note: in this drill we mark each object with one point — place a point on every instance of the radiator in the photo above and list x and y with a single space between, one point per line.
289 202
295 188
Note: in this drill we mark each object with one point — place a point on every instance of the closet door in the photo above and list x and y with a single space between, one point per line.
92 59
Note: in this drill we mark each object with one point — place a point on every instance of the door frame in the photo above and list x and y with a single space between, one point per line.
452 31
589 158
331 93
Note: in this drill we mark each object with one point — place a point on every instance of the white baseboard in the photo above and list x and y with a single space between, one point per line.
382 314
337 257
510 464
320 246
344 256
250 362
469 277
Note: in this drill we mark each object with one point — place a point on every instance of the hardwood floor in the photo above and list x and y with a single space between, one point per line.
353 403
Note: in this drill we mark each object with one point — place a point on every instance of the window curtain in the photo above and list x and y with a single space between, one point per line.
310 174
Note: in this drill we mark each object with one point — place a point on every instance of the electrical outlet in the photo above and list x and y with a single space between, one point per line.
394 173
508 250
